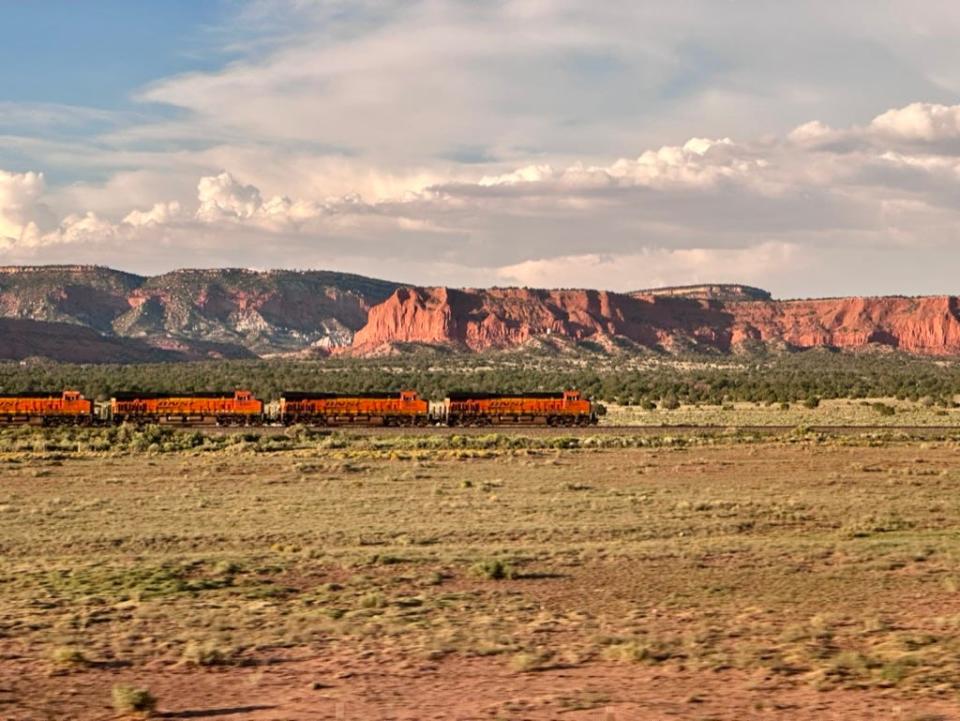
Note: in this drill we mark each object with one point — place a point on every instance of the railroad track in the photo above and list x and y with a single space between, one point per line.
664 430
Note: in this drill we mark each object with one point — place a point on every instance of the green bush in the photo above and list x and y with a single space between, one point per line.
129 699
883 409
205 654
670 403
494 570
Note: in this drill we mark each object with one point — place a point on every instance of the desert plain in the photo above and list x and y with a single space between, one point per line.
479 576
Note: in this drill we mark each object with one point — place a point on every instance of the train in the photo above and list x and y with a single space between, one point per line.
405 408
237 408
242 408
52 408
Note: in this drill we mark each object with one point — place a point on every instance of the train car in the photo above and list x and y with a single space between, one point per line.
567 408
404 408
46 408
225 409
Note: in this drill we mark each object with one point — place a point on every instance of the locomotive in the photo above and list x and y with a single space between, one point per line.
551 409
334 409
241 408
237 408
48 408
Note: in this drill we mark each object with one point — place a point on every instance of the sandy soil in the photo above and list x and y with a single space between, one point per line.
826 555
299 685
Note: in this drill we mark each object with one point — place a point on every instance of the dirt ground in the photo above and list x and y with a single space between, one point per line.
780 579
320 687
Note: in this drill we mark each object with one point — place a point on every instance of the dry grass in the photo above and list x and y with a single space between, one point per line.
840 411
821 564
133 700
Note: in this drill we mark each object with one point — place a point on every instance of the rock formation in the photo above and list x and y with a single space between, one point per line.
219 312
502 318
234 313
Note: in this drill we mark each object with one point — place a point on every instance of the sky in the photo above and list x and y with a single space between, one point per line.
812 149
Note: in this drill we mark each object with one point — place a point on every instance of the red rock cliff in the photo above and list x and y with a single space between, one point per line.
498 318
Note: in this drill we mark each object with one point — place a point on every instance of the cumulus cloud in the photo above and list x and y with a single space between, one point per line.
919 122
555 77
82 228
222 197
812 133
918 127
659 267
159 214
698 162
19 205
749 210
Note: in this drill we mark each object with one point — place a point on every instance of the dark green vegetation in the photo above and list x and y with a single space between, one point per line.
67 442
776 379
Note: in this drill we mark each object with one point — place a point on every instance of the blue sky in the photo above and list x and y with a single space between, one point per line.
96 52
538 142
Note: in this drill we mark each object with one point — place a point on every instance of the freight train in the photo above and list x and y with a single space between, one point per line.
241 408
60 408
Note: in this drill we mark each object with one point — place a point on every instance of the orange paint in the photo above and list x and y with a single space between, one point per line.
240 407
567 408
403 408
68 406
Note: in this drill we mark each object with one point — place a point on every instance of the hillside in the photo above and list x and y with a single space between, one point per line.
197 313
87 312
22 339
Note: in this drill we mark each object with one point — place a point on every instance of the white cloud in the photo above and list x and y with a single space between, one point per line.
698 162
526 174
82 228
919 122
561 78
19 205
655 267
159 214
221 198
812 133
748 210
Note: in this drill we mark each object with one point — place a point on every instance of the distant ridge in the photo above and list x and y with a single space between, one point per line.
709 291
89 313
695 319
194 313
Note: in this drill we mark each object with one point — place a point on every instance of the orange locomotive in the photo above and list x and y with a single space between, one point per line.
405 408
68 407
236 408
568 408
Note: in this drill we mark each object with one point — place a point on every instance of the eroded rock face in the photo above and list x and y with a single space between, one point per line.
928 325
501 318
236 313
216 313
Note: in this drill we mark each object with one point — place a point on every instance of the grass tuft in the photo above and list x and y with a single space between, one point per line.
130 699
68 656
205 654
493 569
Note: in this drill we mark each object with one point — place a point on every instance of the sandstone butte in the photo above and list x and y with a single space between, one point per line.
502 318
